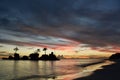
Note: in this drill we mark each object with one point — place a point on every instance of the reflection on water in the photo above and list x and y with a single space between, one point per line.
15 69
46 70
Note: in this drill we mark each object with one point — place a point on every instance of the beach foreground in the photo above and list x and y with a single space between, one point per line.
109 72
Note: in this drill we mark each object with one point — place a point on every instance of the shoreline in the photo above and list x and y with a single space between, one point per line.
108 72
87 70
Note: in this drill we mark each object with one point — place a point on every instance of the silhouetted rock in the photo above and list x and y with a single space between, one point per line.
115 56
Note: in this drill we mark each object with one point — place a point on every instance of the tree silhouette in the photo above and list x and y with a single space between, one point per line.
38 50
16 49
16 56
10 57
35 55
25 58
45 49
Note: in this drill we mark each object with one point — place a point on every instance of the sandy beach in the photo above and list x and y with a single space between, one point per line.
109 72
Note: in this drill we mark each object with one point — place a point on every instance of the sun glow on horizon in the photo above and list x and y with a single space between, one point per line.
66 51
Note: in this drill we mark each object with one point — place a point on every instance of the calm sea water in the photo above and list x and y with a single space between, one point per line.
65 69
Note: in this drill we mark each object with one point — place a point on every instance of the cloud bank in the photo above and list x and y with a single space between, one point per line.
63 22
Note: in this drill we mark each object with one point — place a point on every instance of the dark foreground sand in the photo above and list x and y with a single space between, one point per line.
110 72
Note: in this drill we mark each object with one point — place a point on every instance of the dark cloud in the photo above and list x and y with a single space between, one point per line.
94 22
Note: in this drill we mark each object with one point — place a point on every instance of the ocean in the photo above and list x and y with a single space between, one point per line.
65 69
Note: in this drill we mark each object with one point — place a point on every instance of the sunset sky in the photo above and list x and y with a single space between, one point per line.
68 27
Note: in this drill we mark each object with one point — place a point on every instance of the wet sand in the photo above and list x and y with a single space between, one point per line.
109 72
86 70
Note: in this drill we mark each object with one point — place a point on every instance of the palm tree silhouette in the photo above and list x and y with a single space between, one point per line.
38 50
16 49
45 49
